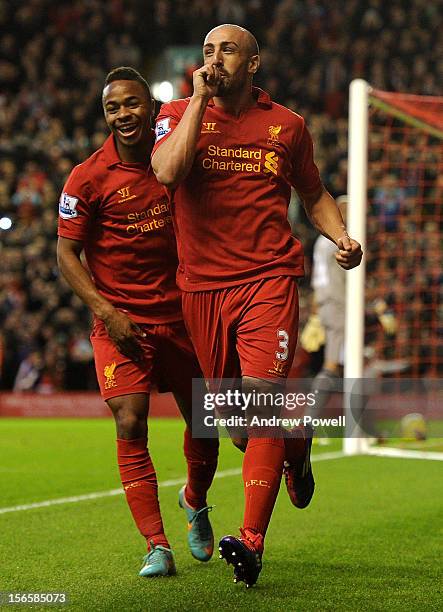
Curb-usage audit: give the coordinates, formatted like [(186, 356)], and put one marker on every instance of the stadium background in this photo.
[(53, 59)]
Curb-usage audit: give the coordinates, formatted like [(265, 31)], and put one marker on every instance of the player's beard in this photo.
[(232, 84), (229, 86), (223, 88)]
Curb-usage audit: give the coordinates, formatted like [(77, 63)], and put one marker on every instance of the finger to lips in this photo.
[(214, 75), (215, 72), (204, 73)]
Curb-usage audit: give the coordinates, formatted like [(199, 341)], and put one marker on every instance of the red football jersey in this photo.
[(230, 212), (122, 215)]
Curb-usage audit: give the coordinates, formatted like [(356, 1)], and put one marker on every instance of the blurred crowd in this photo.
[(404, 254), (53, 59)]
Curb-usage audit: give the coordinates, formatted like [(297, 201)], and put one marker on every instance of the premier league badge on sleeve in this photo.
[(162, 128), (67, 206)]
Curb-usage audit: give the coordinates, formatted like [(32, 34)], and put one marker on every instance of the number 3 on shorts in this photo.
[(283, 341)]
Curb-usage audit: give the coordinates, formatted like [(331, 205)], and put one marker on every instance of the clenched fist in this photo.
[(349, 252)]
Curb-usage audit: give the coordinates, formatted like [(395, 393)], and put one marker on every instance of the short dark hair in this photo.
[(126, 73)]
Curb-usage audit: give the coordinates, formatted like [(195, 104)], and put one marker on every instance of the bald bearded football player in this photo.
[(229, 156)]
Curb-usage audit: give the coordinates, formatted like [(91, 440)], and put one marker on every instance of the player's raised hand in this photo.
[(349, 252), (206, 81), (125, 334)]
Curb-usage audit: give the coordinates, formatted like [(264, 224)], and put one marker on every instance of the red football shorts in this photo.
[(169, 361), (246, 330)]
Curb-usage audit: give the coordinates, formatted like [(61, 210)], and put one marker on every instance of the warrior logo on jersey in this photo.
[(209, 128), (109, 375), (125, 195), (162, 128), (66, 206), (274, 131)]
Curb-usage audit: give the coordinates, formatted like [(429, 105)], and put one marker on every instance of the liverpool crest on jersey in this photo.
[(274, 135)]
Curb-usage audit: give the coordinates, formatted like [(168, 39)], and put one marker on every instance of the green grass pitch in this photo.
[(370, 539)]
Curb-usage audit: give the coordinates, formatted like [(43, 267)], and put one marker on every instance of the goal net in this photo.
[(394, 311)]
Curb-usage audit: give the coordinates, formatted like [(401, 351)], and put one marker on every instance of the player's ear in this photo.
[(254, 64), (152, 110)]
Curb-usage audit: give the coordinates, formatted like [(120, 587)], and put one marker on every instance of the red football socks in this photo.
[(201, 456), (140, 483), (262, 470)]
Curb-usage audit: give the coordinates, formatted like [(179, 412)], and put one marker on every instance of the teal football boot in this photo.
[(200, 535), (158, 562)]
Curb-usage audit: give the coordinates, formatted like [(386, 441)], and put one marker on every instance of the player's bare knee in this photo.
[(130, 418), (131, 428)]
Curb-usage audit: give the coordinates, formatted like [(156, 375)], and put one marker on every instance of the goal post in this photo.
[(395, 200), (354, 442)]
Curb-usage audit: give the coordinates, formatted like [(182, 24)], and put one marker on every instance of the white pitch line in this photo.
[(327, 456), (405, 454), (112, 492)]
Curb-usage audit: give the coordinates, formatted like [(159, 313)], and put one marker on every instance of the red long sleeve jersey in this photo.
[(122, 215), (230, 212)]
